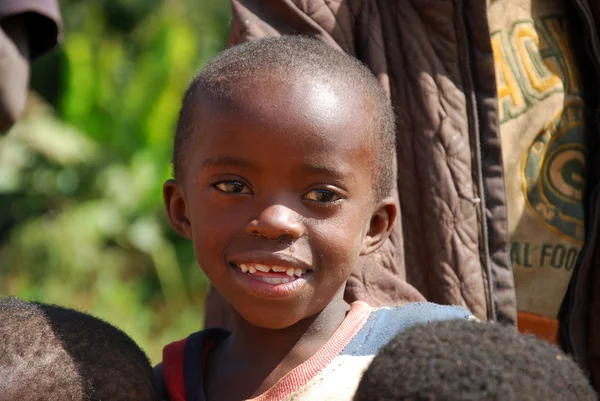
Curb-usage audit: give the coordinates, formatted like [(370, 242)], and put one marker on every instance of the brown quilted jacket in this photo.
[(434, 58)]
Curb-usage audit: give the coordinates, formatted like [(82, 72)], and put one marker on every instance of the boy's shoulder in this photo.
[(384, 323), (182, 362)]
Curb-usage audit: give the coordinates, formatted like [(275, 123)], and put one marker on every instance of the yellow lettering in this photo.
[(506, 83), (523, 35)]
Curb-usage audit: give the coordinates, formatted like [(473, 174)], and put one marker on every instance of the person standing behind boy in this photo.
[(496, 104), (283, 165), (28, 28)]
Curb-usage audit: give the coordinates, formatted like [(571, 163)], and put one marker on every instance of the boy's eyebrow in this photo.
[(313, 168), (227, 162), (335, 173)]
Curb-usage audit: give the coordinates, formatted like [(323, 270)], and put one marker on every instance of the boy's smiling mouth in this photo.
[(272, 275)]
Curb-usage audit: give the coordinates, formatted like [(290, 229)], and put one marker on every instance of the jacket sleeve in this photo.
[(41, 19), (332, 22)]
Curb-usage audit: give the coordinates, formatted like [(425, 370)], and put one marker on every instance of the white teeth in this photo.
[(254, 267), (262, 268)]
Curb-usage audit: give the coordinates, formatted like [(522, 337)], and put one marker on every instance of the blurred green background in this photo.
[(82, 222)]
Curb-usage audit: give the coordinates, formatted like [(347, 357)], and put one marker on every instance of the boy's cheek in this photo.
[(334, 245)]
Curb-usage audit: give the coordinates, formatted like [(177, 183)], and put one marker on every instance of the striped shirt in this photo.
[(332, 373)]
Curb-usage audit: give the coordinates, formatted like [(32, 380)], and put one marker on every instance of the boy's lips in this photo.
[(270, 262)]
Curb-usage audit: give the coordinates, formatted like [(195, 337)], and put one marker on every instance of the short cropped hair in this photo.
[(52, 353), (286, 58), (464, 360)]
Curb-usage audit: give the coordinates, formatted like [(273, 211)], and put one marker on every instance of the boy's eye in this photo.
[(322, 196), (233, 187)]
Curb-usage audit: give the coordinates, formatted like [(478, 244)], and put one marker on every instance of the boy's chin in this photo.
[(272, 323), (281, 315), (271, 320)]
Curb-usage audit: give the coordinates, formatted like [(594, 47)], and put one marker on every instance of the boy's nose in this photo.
[(276, 222)]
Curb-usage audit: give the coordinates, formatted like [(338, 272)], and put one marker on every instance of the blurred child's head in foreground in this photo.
[(283, 162), (464, 360), (52, 353)]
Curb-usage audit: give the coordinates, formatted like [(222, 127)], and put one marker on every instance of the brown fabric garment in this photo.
[(450, 175), (28, 28), (14, 81), (585, 320), (593, 330), (42, 22)]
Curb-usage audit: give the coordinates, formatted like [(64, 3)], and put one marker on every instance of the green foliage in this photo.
[(82, 222)]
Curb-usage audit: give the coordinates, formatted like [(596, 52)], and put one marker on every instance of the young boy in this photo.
[(460, 361), (283, 162), (52, 353)]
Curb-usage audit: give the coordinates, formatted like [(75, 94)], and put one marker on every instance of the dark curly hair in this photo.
[(464, 360), (286, 58), (52, 353)]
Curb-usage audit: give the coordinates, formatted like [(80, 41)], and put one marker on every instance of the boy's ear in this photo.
[(176, 209), (380, 226)]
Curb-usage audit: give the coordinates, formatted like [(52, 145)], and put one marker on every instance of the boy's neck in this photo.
[(248, 339), (256, 358)]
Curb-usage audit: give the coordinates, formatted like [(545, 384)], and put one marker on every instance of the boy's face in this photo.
[(279, 197)]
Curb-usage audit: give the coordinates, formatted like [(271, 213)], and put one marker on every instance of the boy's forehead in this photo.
[(301, 122), (324, 106)]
